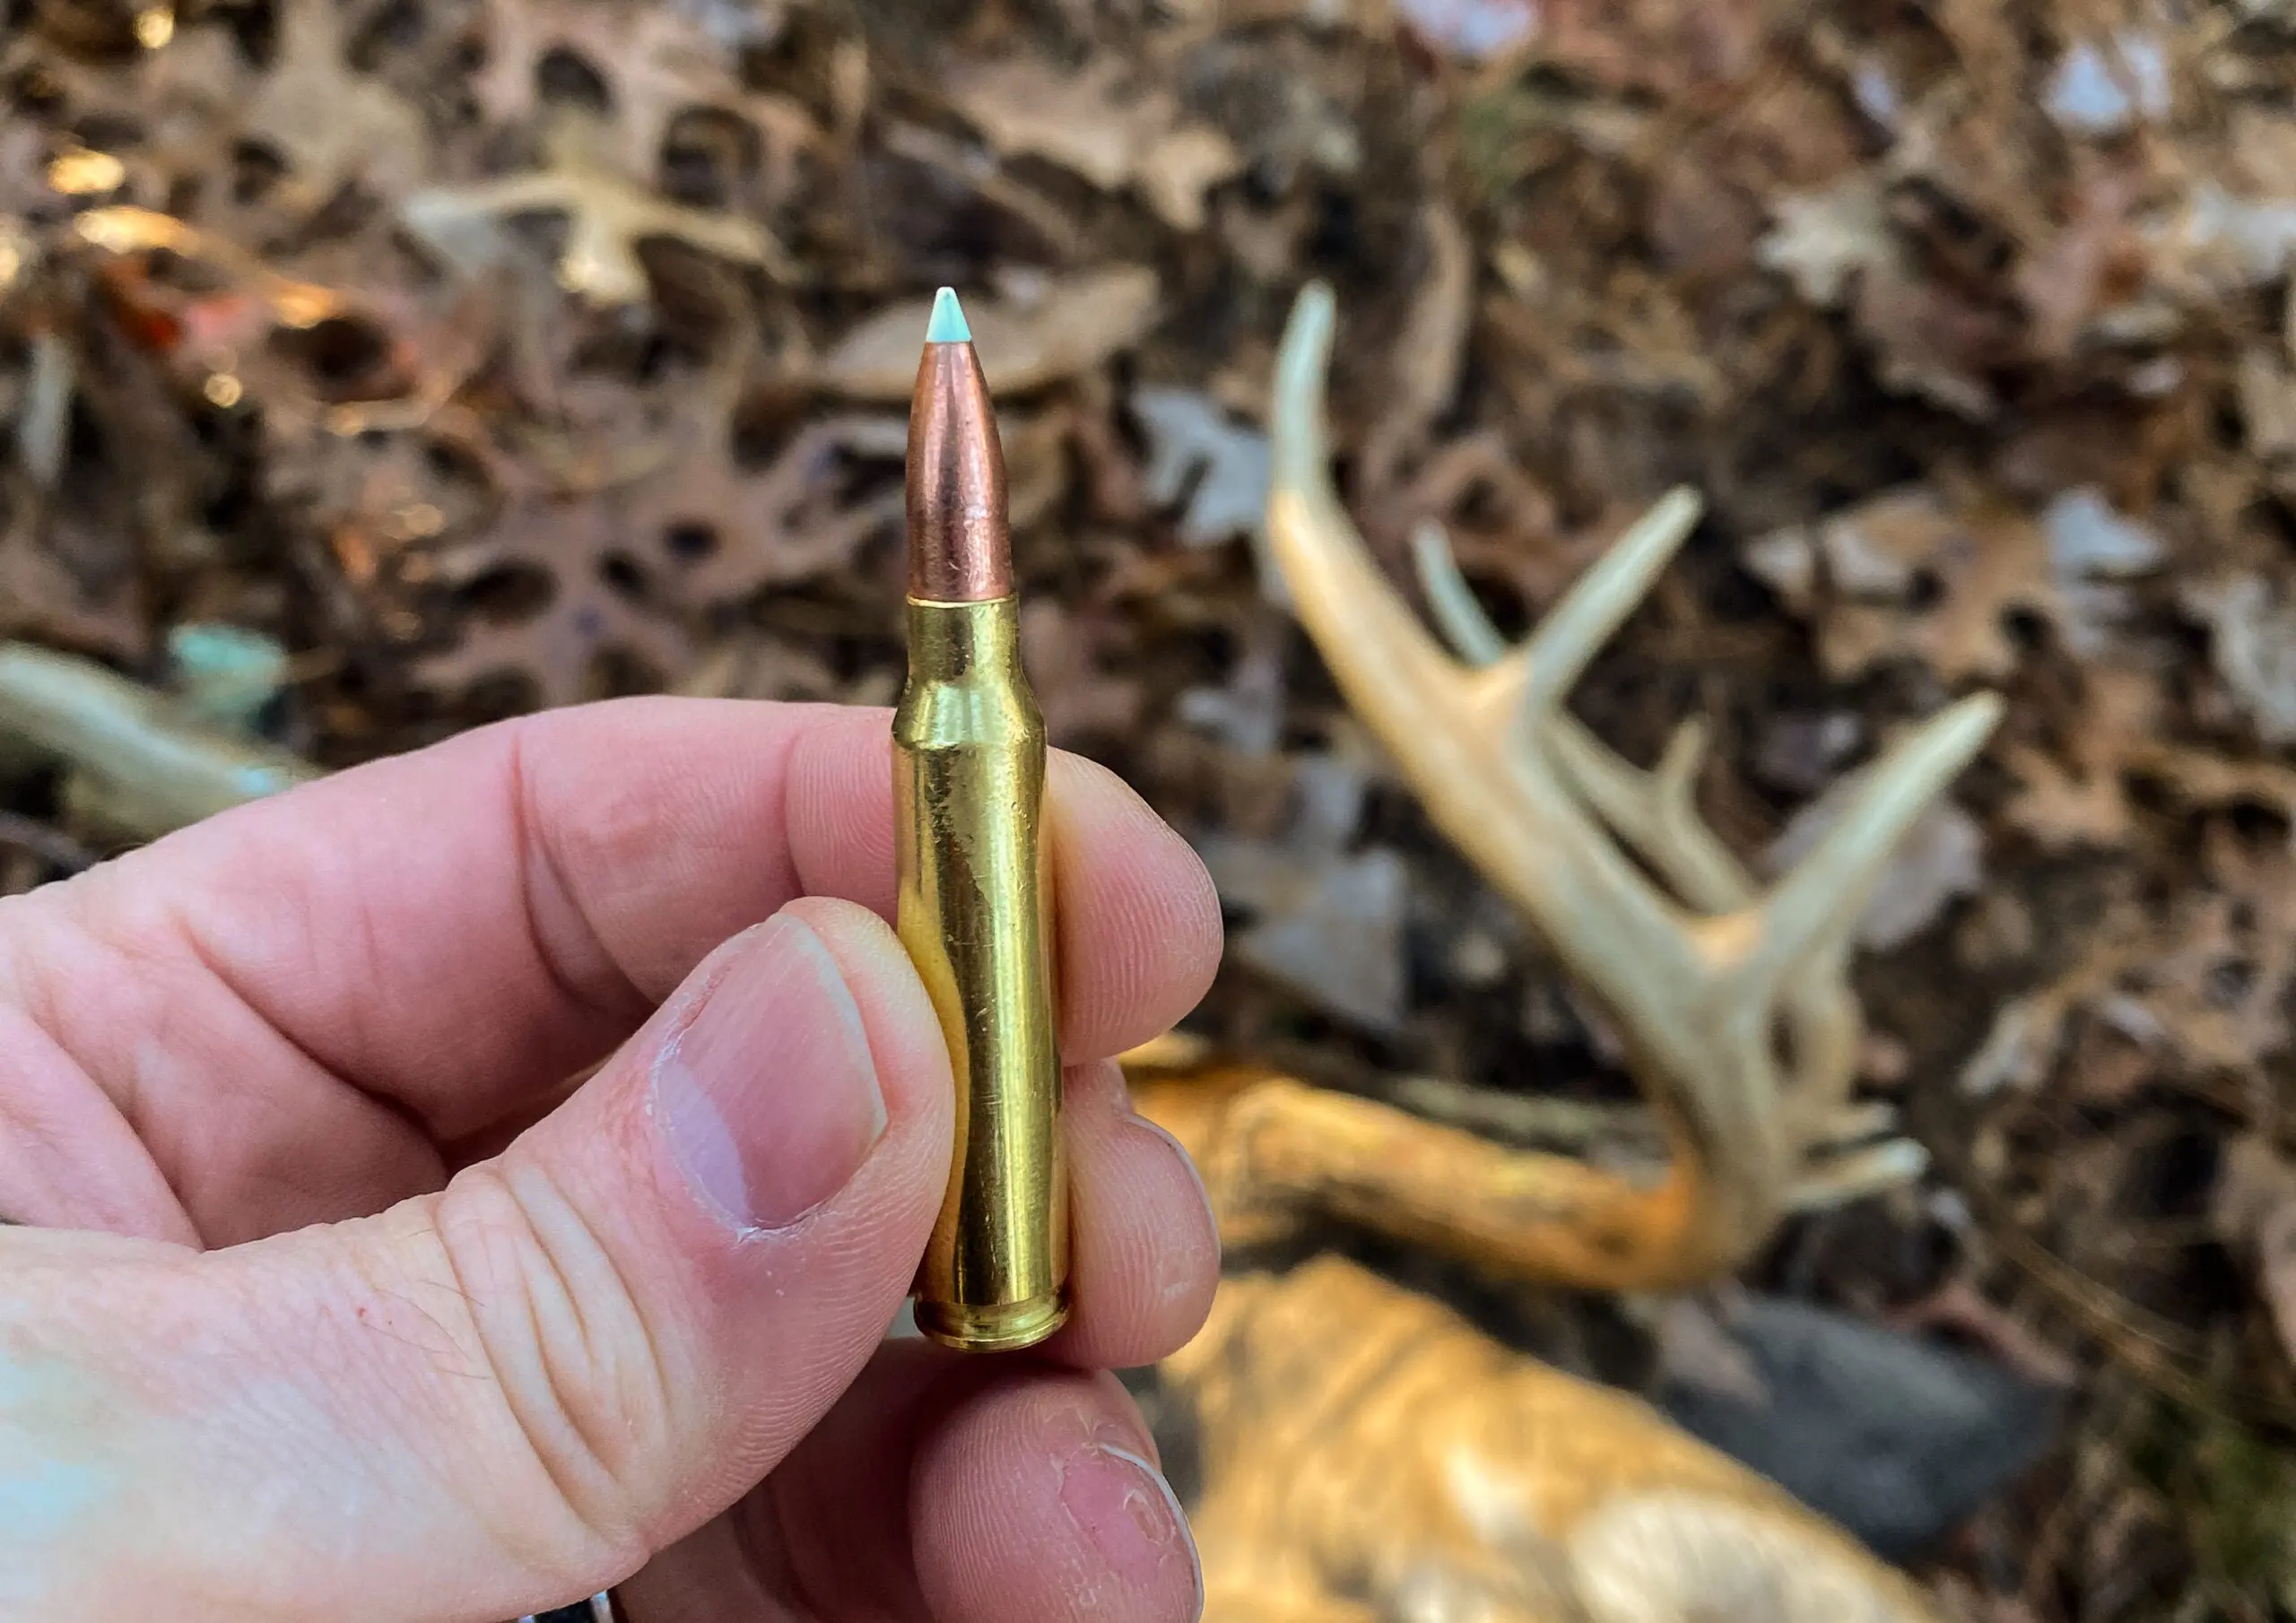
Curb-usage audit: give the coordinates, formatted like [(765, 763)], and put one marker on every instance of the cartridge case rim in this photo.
[(1004, 1327)]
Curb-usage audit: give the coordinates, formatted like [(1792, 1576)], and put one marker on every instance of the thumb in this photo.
[(505, 1395)]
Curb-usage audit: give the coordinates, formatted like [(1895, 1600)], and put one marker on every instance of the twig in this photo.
[(58, 850)]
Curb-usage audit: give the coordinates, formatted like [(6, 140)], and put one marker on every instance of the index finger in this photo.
[(457, 929)]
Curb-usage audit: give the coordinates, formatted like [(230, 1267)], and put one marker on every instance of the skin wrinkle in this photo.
[(533, 857), (806, 877), (543, 1456), (90, 906), (564, 1396), (55, 1139), (653, 1368), (123, 1091), (397, 1120)]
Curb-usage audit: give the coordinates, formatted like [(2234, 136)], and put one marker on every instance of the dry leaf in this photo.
[(2085, 800), (655, 59), (2254, 1212), (2103, 92), (720, 532), (2206, 984), (2218, 990), (1472, 31), (187, 97), (1178, 172), (2092, 546), (1082, 122), (1324, 919), (586, 617), (1910, 577), (607, 216), (1822, 240), (1073, 326), (2267, 389), (330, 124), (2252, 642), (2229, 243), (1079, 699), (1193, 449), (1906, 573)]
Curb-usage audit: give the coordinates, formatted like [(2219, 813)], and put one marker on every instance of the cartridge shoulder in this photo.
[(976, 711)]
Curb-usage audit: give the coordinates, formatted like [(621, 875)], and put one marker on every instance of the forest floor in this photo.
[(488, 354)]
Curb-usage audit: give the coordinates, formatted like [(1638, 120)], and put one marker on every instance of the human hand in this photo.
[(340, 1304)]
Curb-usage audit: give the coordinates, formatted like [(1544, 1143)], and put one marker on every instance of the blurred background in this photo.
[(374, 369)]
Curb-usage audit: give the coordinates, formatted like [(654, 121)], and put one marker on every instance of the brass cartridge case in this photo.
[(976, 913)]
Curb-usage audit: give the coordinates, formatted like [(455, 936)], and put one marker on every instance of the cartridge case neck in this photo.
[(951, 641)]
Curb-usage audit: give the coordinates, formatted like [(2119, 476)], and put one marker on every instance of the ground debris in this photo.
[(1085, 122), (1197, 452), (607, 216)]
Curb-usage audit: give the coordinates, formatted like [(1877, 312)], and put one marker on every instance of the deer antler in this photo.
[(1734, 1003)]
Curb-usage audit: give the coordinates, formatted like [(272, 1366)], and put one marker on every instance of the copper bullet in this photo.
[(960, 545)]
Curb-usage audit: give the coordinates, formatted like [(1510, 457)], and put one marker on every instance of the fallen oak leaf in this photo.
[(2085, 800), (573, 545), (721, 531), (607, 215), (1325, 920), (1917, 571), (655, 61), (2252, 644), (1194, 450), (2205, 986), (185, 96), (1081, 122), (1080, 698), (1940, 858), (1478, 32), (1822, 240), (330, 124), (1073, 327)]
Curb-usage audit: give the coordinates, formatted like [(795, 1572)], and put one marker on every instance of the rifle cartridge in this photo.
[(975, 908)]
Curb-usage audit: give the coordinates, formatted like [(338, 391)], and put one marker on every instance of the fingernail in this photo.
[(1196, 1173), (1129, 1513), (768, 1095)]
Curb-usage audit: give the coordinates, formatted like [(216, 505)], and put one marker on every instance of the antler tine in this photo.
[(1813, 907), (1599, 602), (1650, 810), (1464, 624), (1353, 607)]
